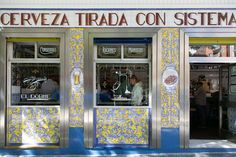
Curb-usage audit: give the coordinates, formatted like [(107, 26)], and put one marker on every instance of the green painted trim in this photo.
[(33, 39), (207, 41)]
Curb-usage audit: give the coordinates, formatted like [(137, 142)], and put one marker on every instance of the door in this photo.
[(227, 99)]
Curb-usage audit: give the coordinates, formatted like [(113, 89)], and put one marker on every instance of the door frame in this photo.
[(185, 34), (89, 120), (60, 33)]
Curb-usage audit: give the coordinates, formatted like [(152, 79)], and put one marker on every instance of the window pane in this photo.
[(136, 51), (233, 70), (234, 50), (35, 84), (23, 50), (233, 88), (210, 51), (109, 51), (122, 84), (48, 50)]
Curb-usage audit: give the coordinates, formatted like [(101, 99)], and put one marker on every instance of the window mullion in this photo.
[(35, 50)]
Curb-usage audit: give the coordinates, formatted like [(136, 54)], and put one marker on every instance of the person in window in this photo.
[(51, 87), (206, 84), (200, 101), (106, 93), (137, 91)]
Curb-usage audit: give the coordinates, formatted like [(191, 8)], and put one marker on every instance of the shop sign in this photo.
[(46, 50), (32, 83), (50, 51), (30, 97), (109, 51), (135, 51), (118, 18)]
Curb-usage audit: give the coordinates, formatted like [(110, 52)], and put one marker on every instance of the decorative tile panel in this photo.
[(122, 126), (169, 56), (33, 125), (76, 55), (14, 132)]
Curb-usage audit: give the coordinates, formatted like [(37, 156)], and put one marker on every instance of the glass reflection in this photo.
[(33, 84), (122, 84), (23, 50), (211, 51)]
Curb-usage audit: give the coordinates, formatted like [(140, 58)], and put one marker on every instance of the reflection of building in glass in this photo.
[(209, 50)]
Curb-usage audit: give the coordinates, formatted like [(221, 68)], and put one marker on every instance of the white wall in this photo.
[(117, 4)]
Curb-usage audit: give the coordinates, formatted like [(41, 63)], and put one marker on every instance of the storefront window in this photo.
[(23, 50), (122, 73), (33, 92), (34, 84), (122, 84), (34, 81), (212, 47)]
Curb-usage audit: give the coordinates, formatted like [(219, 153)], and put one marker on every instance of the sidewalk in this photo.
[(223, 154)]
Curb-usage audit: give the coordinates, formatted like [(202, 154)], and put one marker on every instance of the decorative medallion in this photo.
[(170, 78)]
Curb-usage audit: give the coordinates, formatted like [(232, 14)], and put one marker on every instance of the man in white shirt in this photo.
[(137, 91)]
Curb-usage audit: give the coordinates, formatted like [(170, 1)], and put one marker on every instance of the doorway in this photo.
[(206, 125), (215, 52), (214, 117)]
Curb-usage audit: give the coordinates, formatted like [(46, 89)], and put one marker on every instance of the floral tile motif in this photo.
[(76, 116), (33, 125), (170, 55), (14, 132), (122, 126), (76, 41), (76, 98)]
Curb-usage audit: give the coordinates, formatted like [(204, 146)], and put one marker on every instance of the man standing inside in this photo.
[(137, 91), (200, 101)]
